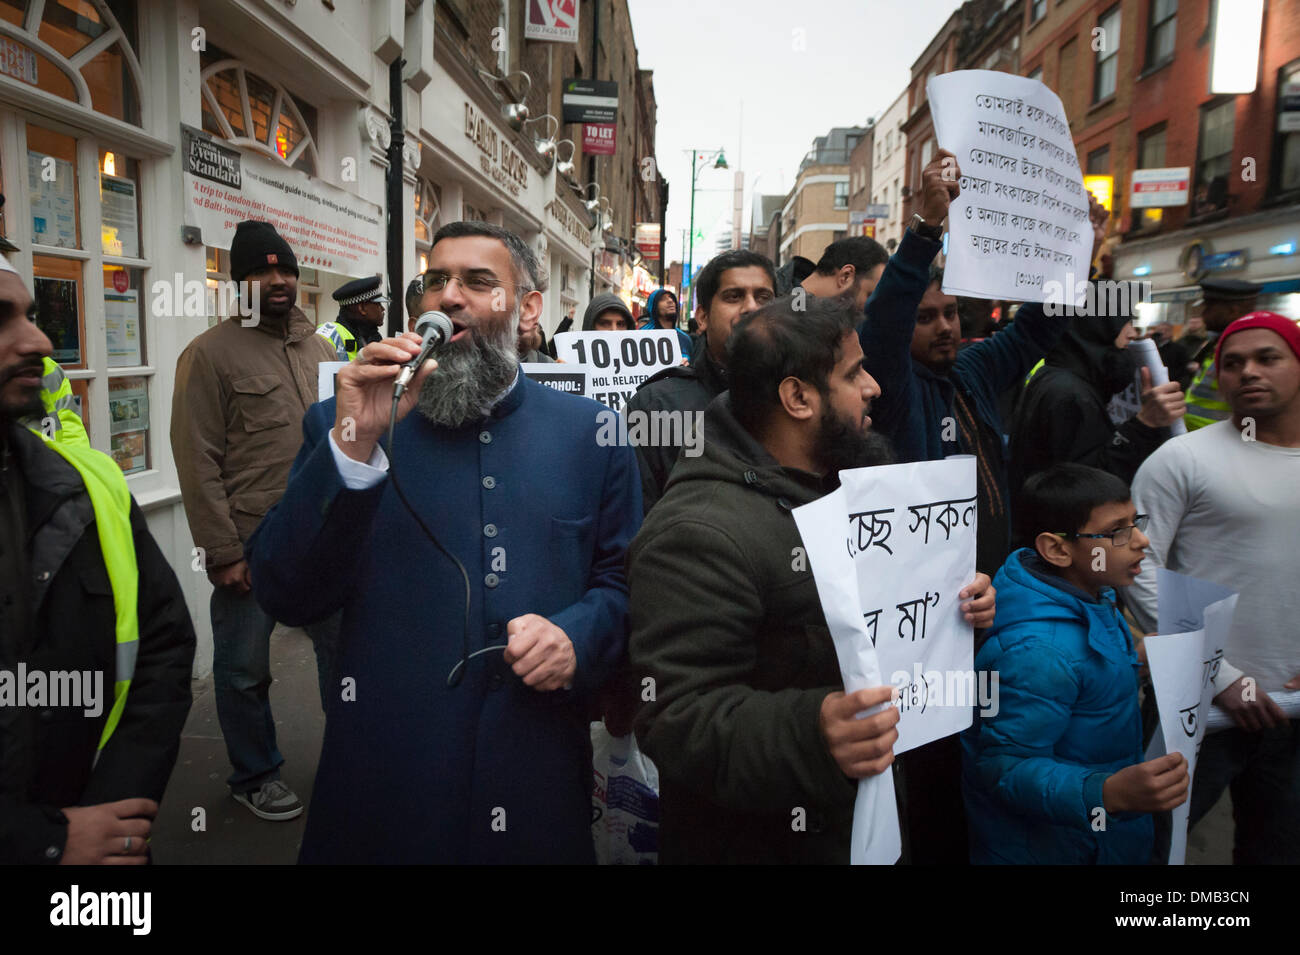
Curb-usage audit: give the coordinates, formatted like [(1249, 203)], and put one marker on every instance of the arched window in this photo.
[(248, 110), (78, 50), (428, 210)]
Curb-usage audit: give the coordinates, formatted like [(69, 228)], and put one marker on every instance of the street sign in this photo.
[(590, 101), (1154, 188)]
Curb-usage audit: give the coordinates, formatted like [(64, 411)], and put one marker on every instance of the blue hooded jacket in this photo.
[(651, 323), (1066, 718)]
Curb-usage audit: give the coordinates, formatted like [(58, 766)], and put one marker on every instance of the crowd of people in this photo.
[(484, 578)]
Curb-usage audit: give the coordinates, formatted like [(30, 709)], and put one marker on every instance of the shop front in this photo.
[(1263, 247)]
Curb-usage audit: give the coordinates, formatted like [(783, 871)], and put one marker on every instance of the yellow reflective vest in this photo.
[(64, 434)]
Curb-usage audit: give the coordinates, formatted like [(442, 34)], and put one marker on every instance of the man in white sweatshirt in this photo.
[(1224, 505)]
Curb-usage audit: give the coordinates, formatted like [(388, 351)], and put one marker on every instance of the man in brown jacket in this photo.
[(242, 389)]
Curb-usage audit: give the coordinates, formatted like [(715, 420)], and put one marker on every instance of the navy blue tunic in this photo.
[(541, 516)]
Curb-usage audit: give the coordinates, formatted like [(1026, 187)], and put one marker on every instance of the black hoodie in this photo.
[(1062, 417)]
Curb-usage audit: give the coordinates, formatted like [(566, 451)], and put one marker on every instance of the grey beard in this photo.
[(469, 377)]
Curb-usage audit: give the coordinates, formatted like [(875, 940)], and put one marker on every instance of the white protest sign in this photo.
[(620, 361), (570, 379), (1020, 229), (1183, 667), (326, 378), (1129, 401), (876, 839), (910, 532)]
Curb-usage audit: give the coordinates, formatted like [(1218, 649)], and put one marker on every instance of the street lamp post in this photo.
[(688, 281)]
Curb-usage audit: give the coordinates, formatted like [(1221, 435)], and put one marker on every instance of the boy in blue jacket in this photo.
[(1054, 775)]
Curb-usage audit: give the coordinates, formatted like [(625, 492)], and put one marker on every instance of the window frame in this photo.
[(1280, 138), (1153, 29), (1103, 57), (1227, 102)]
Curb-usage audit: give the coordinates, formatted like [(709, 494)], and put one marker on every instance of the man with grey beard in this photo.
[(484, 550)]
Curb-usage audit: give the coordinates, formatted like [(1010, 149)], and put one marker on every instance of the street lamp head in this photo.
[(722, 161)]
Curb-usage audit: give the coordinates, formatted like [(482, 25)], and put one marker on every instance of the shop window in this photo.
[(119, 205), (95, 65), (1214, 157), (52, 188), (128, 422), (1107, 69), (1287, 167), (250, 110), (60, 309)]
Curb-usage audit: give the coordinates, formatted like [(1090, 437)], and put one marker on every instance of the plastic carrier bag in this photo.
[(624, 801)]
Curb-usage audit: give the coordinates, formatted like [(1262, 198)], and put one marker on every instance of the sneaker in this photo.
[(274, 801)]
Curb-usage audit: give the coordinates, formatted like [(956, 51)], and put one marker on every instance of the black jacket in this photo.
[(685, 388), (47, 755), (725, 618), (1062, 417)]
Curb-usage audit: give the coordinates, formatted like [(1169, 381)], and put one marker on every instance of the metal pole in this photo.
[(396, 204), (688, 281)]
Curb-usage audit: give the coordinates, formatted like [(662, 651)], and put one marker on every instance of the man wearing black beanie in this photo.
[(242, 388)]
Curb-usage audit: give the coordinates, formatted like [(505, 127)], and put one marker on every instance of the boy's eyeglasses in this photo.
[(1118, 538)]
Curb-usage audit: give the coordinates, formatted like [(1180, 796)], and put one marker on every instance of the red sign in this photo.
[(598, 139), (120, 280)]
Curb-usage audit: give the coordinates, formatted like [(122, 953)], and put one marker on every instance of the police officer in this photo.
[(1223, 302), (361, 316)]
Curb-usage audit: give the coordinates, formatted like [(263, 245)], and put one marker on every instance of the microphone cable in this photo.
[(457, 674)]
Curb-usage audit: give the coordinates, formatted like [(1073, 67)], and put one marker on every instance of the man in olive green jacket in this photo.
[(758, 748), (242, 388)]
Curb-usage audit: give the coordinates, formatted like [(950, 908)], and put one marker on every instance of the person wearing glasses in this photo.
[(1055, 775), (482, 548), (362, 304)]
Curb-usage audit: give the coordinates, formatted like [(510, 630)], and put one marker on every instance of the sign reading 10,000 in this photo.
[(634, 351)]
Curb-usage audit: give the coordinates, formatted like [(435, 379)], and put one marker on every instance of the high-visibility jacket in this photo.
[(1205, 405), (341, 337), (63, 432), (61, 421)]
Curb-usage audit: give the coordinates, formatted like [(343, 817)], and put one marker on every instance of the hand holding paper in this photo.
[(1163, 403), (1154, 786), (861, 747), (1250, 708)]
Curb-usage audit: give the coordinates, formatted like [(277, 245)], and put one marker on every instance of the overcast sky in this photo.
[(716, 59)]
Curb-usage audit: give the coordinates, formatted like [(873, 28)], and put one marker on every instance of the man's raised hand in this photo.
[(939, 187), (364, 398)]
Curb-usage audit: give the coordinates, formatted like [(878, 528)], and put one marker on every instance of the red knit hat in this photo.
[(1272, 321)]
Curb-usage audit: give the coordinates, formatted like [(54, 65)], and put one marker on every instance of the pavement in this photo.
[(231, 835)]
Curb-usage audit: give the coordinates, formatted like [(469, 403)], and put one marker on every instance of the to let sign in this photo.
[(1154, 188), (598, 139)]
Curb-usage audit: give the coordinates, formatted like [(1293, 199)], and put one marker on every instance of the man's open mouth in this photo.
[(458, 329)]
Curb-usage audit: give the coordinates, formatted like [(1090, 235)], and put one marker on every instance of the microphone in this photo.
[(436, 329)]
